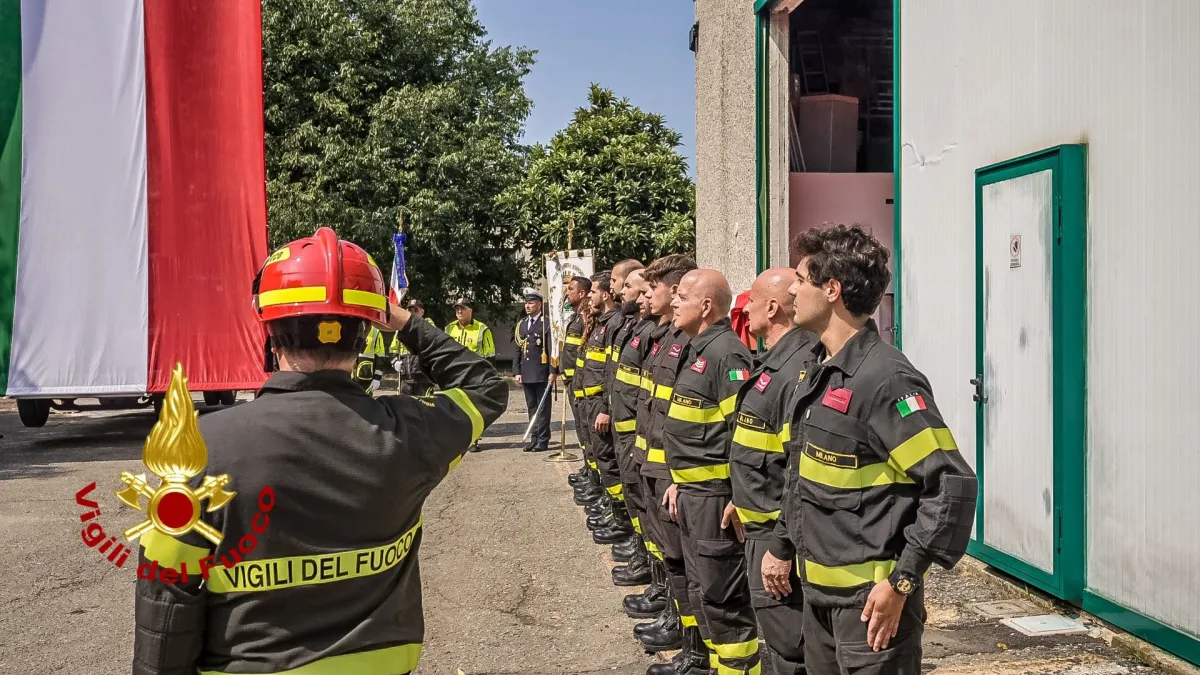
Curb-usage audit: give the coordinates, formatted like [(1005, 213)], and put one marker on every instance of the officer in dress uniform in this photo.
[(531, 367)]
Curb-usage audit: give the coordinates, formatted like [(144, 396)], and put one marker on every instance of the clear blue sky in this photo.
[(637, 48)]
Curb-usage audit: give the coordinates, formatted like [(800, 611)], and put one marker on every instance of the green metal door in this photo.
[(1030, 358)]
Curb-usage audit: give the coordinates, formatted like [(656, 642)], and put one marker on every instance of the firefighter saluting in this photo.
[(332, 582)]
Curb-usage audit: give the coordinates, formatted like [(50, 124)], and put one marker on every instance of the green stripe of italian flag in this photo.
[(910, 404)]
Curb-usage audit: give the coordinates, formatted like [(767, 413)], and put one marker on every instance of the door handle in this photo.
[(978, 396)]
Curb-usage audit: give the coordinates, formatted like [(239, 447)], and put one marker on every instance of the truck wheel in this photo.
[(228, 397), (33, 411), (212, 398)]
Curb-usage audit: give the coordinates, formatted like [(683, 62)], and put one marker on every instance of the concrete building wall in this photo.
[(984, 81), (725, 140)]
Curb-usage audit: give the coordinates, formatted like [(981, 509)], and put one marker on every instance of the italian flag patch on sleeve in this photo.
[(739, 375), (910, 404)]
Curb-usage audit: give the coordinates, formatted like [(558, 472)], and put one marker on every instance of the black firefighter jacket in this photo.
[(875, 481), (318, 559), (764, 424), (699, 424)]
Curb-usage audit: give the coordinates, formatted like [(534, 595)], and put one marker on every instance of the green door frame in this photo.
[(762, 136), (1069, 325)]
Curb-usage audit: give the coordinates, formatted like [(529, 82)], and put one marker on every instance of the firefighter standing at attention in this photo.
[(676, 627), (330, 582), (576, 295), (877, 490), (757, 461), (696, 437)]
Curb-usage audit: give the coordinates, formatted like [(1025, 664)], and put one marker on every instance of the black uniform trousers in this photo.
[(539, 437), (665, 533), (717, 584), (779, 620), (835, 641), (630, 483), (603, 452)]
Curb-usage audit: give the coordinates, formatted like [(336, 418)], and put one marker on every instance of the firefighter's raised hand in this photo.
[(399, 319)]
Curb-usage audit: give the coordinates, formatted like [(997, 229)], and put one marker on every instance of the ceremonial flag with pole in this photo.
[(399, 283)]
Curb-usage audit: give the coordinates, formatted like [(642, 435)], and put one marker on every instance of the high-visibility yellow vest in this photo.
[(375, 345), (475, 336)]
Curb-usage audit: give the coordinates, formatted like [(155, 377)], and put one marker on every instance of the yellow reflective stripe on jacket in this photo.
[(748, 516), (848, 576), (463, 401), (579, 363), (589, 391), (599, 355), (656, 455), (308, 570), (695, 415), (728, 406), (700, 474), (737, 650), (629, 378), (663, 392), (574, 340), (170, 552), (757, 440), (785, 434), (569, 372), (922, 444), (848, 478), (640, 443), (398, 659), (626, 426), (647, 383)]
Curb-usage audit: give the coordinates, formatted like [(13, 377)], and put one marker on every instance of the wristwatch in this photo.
[(903, 583)]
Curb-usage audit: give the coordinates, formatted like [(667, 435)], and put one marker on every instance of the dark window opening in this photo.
[(842, 86)]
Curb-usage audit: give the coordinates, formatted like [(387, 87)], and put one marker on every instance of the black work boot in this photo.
[(651, 602), (637, 572), (590, 496), (579, 476), (597, 522), (663, 638), (662, 669), (657, 624), (623, 551), (693, 658), (620, 529), (600, 508)]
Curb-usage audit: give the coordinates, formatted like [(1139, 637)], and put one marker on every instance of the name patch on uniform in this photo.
[(764, 381), (685, 401), (654, 349), (751, 422), (831, 458), (676, 350), (838, 399), (636, 341), (699, 365)]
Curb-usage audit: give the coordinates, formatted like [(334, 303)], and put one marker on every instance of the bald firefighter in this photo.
[(757, 463), (676, 626), (696, 437), (877, 490), (317, 567)]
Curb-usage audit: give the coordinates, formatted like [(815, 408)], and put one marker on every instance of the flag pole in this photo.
[(562, 455)]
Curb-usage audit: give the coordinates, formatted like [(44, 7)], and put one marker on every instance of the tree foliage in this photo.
[(378, 108), (617, 171)]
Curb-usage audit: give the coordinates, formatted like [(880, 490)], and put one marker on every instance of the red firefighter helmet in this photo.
[(321, 276)]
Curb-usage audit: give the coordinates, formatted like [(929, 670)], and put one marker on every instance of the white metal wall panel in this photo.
[(984, 81), (1018, 425)]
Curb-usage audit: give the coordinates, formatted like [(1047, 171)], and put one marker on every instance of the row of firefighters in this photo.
[(785, 506)]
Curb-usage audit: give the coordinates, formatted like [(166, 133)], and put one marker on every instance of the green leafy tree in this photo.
[(617, 172), (377, 109)]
